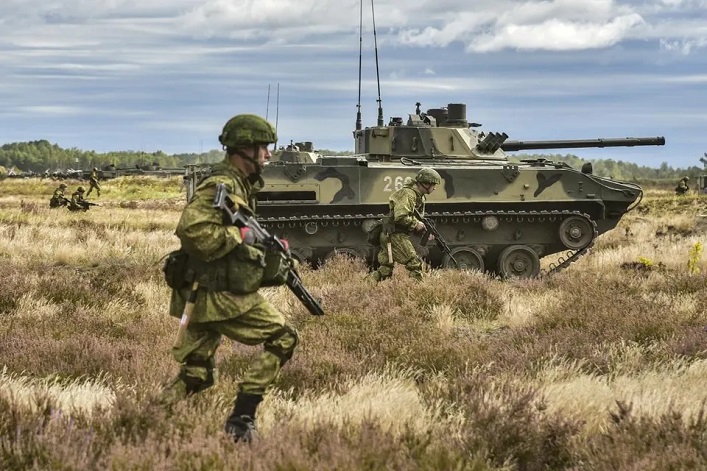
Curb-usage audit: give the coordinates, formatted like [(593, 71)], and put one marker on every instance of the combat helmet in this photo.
[(62, 186), (428, 176), (687, 179), (80, 189), (247, 130)]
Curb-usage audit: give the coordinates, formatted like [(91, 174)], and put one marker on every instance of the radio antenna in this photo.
[(378, 78), (360, 53), (277, 110), (267, 106)]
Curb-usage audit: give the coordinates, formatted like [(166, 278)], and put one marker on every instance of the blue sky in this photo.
[(166, 74)]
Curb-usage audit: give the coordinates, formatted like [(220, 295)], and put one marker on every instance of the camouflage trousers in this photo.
[(96, 185), (262, 324), (403, 253)]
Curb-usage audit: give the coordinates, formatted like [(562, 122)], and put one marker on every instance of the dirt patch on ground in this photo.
[(675, 231)]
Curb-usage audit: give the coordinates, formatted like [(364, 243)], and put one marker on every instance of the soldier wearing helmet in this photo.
[(395, 243), (682, 188), (220, 309), (58, 199), (93, 182), (77, 202)]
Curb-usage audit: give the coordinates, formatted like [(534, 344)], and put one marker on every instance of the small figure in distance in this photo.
[(93, 181), (77, 202), (223, 260), (395, 244), (58, 199), (682, 188)]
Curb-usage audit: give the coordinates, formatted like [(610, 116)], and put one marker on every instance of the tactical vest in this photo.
[(241, 271), (389, 225)]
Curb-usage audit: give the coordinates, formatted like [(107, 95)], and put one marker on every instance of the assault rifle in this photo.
[(241, 218), (430, 229)]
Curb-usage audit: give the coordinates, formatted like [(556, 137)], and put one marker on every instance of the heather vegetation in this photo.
[(600, 366)]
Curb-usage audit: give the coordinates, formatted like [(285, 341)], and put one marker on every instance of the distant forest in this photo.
[(38, 156)]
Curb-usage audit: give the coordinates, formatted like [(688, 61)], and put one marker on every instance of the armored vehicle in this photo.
[(496, 215), (300, 152)]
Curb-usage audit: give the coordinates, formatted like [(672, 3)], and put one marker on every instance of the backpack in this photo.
[(374, 233)]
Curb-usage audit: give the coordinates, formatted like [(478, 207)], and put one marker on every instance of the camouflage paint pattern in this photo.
[(485, 204)]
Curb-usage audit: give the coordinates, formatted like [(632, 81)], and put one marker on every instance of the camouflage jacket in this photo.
[(76, 200), (58, 194), (94, 176), (402, 204), (203, 234)]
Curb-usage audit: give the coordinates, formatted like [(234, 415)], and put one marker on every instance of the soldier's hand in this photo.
[(420, 226), (431, 237), (252, 251)]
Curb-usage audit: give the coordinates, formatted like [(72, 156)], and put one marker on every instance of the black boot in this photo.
[(241, 423)]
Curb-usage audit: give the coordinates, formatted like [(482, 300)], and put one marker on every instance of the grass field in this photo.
[(601, 366)]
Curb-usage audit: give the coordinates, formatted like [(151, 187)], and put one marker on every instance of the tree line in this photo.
[(39, 156)]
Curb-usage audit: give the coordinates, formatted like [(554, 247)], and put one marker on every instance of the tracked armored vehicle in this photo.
[(300, 152), (496, 215)]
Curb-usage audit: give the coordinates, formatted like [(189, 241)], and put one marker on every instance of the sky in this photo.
[(149, 75)]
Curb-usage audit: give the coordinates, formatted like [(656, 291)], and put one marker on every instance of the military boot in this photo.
[(241, 423)]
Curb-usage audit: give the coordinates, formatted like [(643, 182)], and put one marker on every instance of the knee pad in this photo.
[(282, 343), (414, 264), (385, 270), (197, 373)]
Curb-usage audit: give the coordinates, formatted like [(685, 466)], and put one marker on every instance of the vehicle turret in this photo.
[(446, 134)]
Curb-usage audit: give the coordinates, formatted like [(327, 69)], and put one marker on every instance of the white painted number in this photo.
[(393, 183)]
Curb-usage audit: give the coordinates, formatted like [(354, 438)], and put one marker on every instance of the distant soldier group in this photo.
[(76, 203)]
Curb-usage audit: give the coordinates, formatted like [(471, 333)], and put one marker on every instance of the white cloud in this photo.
[(556, 35), (96, 63), (50, 110), (684, 47)]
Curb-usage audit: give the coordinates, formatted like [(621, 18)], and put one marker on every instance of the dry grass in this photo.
[(601, 366)]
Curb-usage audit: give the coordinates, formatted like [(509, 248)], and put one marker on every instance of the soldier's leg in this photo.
[(90, 188), (98, 189), (196, 358), (262, 324), (405, 253), (385, 264)]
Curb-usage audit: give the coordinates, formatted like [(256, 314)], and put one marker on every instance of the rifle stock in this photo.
[(431, 230), (242, 218)]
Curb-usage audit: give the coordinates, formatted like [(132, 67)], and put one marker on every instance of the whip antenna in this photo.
[(378, 78), (267, 106), (360, 52), (277, 110)]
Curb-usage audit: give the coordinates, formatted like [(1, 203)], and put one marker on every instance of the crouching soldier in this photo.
[(77, 202), (395, 237), (226, 299), (58, 199), (682, 188)]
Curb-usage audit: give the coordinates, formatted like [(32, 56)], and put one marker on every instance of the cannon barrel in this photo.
[(577, 143)]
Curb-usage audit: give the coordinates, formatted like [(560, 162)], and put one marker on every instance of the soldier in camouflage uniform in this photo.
[(246, 318), (682, 187), (402, 221), (77, 202), (93, 181), (58, 199)]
